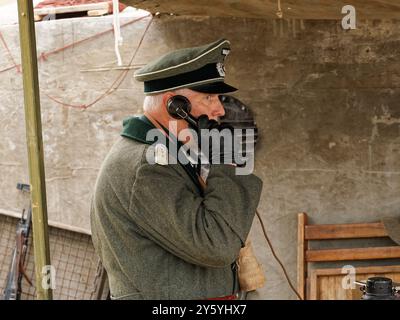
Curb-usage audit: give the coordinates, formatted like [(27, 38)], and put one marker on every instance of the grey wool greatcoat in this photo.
[(158, 235)]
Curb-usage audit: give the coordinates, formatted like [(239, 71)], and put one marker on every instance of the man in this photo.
[(159, 229)]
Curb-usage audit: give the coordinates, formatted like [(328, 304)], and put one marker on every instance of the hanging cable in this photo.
[(117, 82), (114, 86), (276, 257), (17, 66), (279, 13), (117, 31), (45, 55)]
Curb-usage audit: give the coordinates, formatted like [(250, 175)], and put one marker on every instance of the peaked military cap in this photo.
[(199, 68)]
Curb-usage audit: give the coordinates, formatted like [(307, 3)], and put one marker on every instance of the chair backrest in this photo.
[(308, 232)]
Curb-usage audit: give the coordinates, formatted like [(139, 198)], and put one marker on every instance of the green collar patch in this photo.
[(136, 128)]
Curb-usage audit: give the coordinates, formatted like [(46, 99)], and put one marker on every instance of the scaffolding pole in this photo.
[(43, 271)]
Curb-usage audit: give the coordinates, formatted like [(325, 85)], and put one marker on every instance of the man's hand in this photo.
[(217, 141)]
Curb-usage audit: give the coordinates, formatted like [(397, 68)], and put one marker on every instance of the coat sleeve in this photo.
[(208, 231)]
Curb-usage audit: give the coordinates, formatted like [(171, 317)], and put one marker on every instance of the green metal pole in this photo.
[(35, 149)]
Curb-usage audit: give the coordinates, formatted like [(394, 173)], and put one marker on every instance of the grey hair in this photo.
[(154, 101)]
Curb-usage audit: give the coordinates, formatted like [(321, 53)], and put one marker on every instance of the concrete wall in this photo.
[(326, 102)]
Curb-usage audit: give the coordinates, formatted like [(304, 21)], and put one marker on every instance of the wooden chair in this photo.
[(308, 232)]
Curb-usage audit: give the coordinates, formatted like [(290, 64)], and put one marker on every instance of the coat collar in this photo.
[(136, 128)]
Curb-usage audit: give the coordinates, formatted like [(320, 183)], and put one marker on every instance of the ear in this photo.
[(166, 97)]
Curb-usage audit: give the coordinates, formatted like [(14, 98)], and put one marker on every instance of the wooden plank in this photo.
[(345, 231), (301, 249), (97, 13), (353, 254), (330, 292), (313, 286), (340, 294), (69, 9), (33, 127), (359, 270)]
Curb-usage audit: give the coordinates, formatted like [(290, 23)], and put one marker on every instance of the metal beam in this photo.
[(35, 147), (268, 9)]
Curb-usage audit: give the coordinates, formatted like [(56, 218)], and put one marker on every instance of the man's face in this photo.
[(205, 103)]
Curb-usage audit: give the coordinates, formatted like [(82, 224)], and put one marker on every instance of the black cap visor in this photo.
[(215, 87)]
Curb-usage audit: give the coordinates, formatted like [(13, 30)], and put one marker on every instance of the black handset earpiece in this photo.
[(179, 107)]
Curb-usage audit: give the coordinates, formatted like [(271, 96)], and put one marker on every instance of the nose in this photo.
[(217, 109)]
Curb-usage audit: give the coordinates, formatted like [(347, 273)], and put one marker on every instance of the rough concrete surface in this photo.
[(326, 102)]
